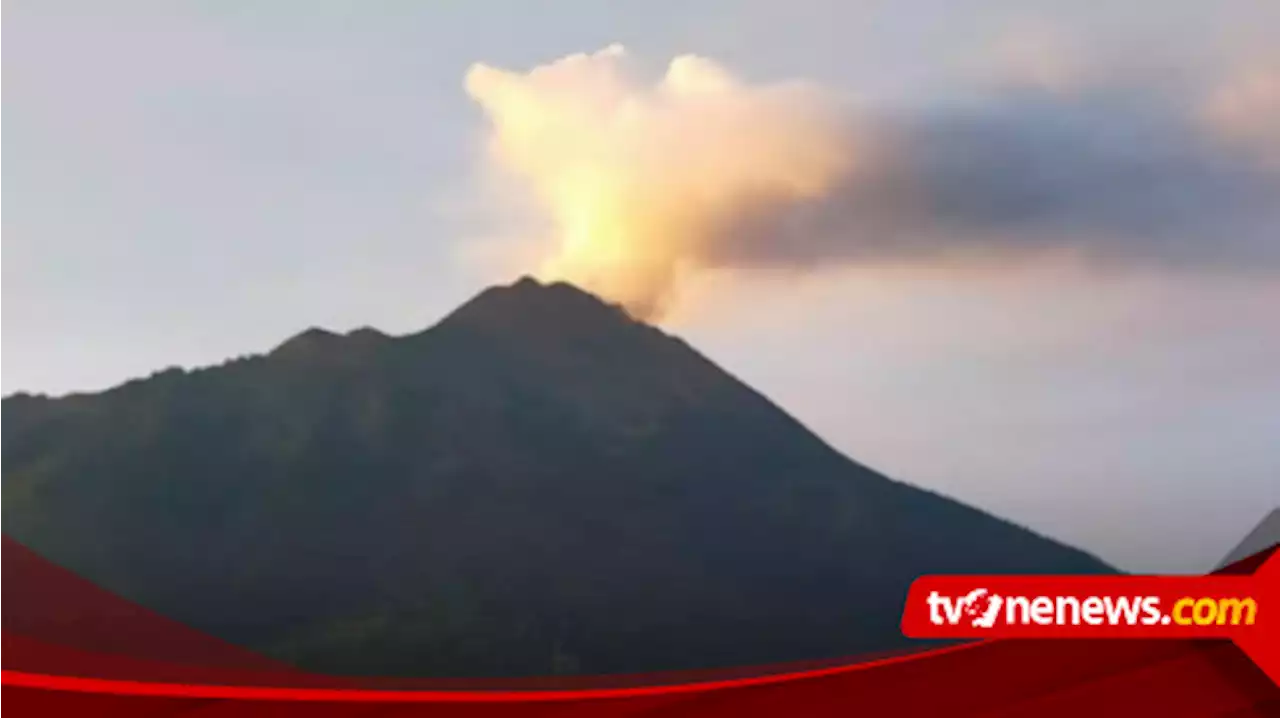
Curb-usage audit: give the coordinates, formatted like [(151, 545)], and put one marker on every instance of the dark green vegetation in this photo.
[(537, 484)]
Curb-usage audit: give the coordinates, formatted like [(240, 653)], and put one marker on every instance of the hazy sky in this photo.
[(191, 181)]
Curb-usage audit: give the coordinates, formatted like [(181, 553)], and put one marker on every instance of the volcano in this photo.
[(538, 484)]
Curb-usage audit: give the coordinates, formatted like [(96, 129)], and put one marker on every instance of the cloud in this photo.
[(1103, 175), (649, 183), (638, 179), (1037, 55), (1246, 109)]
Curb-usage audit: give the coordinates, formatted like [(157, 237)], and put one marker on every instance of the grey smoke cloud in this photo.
[(1108, 174)]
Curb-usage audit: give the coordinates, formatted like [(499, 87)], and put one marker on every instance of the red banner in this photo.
[(1245, 609), (79, 650)]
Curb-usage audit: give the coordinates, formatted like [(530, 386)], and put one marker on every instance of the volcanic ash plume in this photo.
[(647, 183), (642, 180)]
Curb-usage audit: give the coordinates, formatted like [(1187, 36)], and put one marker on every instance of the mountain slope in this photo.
[(536, 484)]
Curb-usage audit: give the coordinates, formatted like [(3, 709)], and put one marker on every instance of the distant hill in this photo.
[(1263, 536), (537, 484)]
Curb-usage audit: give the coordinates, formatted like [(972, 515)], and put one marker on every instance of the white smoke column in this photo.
[(639, 178)]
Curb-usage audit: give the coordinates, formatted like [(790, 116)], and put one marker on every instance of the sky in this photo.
[(1023, 253)]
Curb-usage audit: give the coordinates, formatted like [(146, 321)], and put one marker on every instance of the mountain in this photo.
[(537, 484), (111, 638), (1263, 536)]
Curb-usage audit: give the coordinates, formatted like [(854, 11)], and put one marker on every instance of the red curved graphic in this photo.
[(49, 667)]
